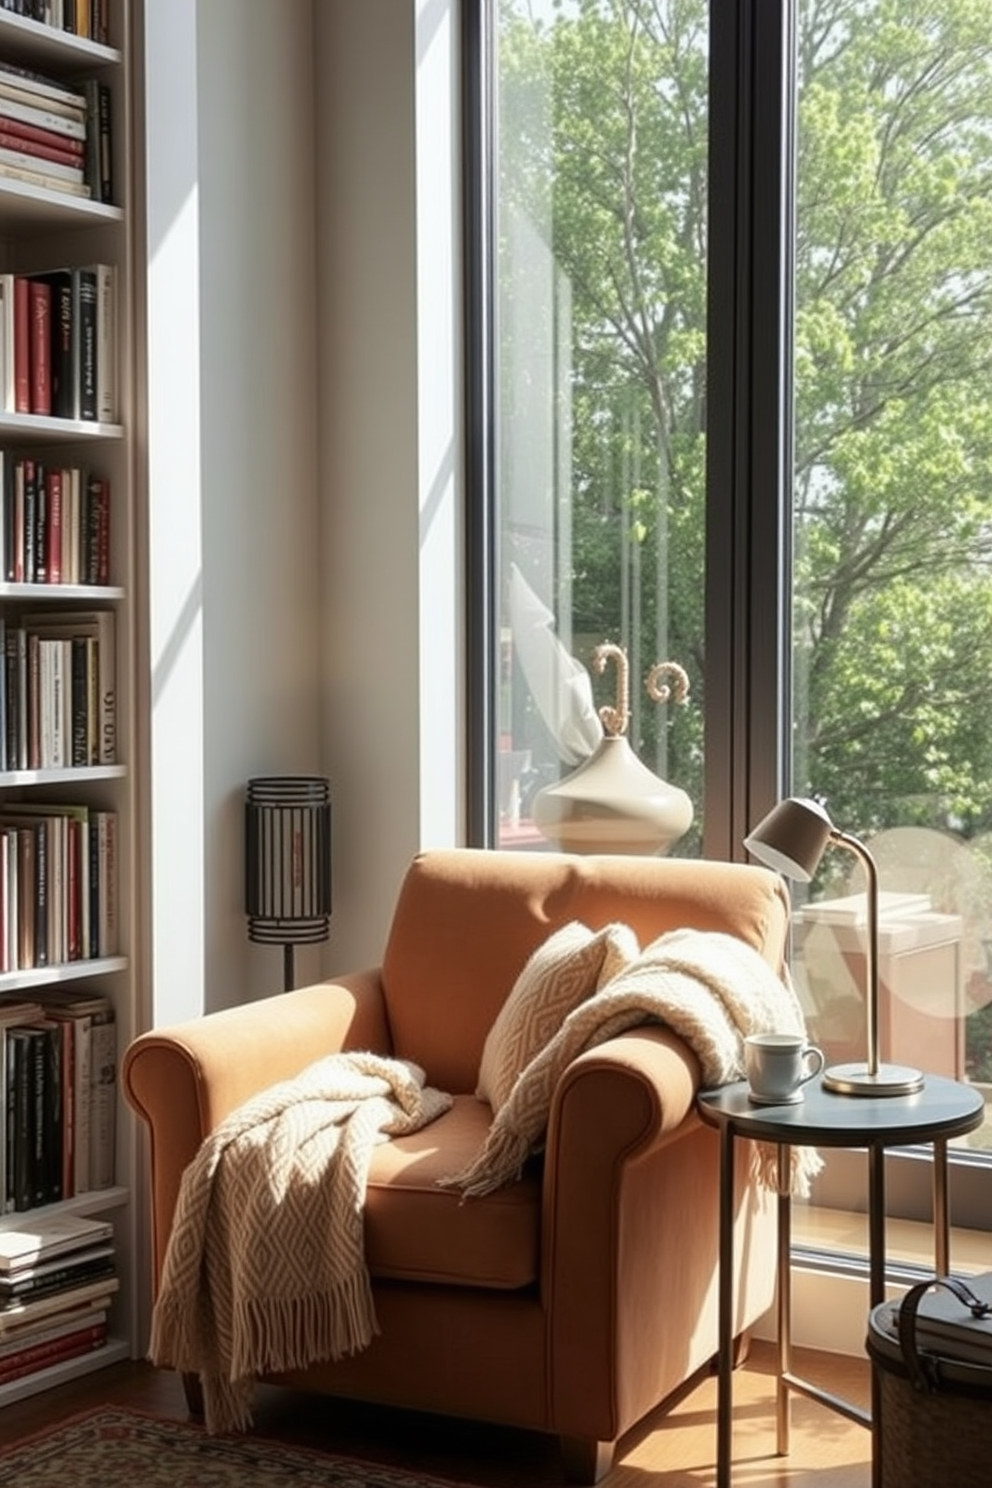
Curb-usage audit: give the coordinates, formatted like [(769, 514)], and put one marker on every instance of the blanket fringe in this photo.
[(499, 1161), (802, 1165), (274, 1334)]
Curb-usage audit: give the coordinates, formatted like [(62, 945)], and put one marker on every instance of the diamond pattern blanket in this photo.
[(265, 1266), (713, 989)]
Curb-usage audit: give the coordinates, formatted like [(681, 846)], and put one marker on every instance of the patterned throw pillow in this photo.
[(568, 967)]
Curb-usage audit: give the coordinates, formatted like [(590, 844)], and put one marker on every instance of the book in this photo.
[(84, 320), (40, 308), (40, 85), (99, 142), (41, 160), (43, 117), (49, 1236), (62, 355), (91, 1292), (22, 344), (17, 129), (20, 1146), (7, 394), (37, 177), (103, 1100), (49, 1330), (34, 1357), (106, 342), (63, 1272)]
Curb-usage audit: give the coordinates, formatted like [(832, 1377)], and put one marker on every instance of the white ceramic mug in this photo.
[(777, 1066)]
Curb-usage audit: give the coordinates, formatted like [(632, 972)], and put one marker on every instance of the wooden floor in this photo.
[(671, 1449)]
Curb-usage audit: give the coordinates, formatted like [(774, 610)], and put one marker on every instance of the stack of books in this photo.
[(53, 135), (57, 1278)]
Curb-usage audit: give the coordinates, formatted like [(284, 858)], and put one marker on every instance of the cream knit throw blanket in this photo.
[(265, 1267), (711, 988)]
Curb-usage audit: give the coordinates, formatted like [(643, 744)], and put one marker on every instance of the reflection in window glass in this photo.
[(602, 149), (892, 611)]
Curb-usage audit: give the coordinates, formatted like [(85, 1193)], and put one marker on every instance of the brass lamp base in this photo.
[(858, 1079)]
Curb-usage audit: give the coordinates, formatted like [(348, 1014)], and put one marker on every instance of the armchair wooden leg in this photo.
[(193, 1390), (584, 1459)]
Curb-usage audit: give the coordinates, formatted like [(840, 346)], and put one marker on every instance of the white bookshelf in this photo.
[(42, 229)]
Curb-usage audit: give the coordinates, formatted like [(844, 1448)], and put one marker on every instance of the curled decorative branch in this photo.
[(615, 719), (661, 692)]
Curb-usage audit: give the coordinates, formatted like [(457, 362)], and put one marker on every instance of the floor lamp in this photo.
[(288, 863), (792, 839)]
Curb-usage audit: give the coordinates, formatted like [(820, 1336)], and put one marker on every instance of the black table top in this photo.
[(943, 1108)]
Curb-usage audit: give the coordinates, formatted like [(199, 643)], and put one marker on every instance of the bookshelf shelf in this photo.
[(28, 41), (71, 242), (30, 428), (37, 207), (83, 775), (65, 971)]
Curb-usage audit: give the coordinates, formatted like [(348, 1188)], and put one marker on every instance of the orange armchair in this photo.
[(575, 1299)]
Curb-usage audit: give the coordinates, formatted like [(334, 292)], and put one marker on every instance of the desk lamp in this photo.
[(792, 839)]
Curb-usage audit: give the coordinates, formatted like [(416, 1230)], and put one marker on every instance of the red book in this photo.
[(22, 345), (40, 299), (53, 531), (40, 1355), (40, 136), (29, 147)]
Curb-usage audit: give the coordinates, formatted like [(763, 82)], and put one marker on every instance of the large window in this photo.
[(737, 292), (600, 330)]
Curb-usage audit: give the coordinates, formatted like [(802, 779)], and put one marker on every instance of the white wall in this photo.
[(390, 451), (304, 460), (234, 512)]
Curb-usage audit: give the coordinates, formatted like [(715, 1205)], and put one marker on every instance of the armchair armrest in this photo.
[(626, 1260), (183, 1080)]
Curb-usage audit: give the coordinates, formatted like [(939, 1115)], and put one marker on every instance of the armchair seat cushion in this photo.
[(416, 1231)]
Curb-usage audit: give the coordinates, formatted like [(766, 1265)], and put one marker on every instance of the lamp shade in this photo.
[(792, 838), (288, 859)]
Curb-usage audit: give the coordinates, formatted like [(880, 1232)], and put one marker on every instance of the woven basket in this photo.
[(934, 1418)]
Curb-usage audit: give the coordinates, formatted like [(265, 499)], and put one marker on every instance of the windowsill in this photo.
[(830, 1280), (906, 1241)]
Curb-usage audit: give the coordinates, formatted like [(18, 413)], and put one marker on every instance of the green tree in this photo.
[(893, 615)]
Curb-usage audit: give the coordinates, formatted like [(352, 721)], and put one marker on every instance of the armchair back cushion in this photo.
[(466, 922)]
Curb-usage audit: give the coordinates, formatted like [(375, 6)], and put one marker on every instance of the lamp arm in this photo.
[(844, 839)]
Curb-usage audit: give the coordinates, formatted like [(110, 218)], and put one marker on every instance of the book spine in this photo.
[(53, 562), (62, 124), (55, 1355), (63, 392), (84, 283), (40, 303), (106, 343), (54, 170), (22, 345), (17, 129), (19, 1074), (103, 1103), (33, 149)]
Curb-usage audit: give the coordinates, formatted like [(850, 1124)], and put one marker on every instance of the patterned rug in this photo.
[(115, 1448)]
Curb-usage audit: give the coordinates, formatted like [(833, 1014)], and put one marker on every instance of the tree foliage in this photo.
[(604, 147)]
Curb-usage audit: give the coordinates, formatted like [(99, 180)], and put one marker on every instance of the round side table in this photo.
[(941, 1110)]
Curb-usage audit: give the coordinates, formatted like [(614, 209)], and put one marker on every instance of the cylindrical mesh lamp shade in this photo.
[(288, 861)]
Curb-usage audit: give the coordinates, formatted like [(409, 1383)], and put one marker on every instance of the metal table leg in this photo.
[(783, 1283), (725, 1361)]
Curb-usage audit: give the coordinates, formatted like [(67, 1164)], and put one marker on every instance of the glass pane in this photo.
[(892, 608), (602, 144)]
